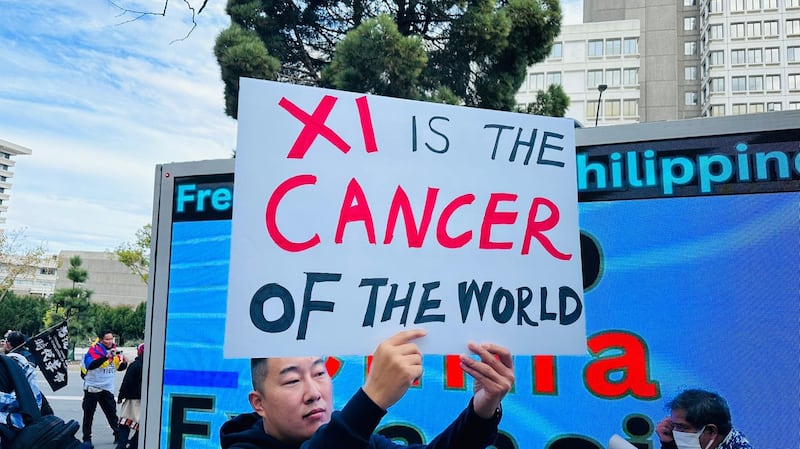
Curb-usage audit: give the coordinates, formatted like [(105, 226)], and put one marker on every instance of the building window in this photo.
[(739, 109), (47, 271), (756, 107), (613, 47), (631, 46), (770, 28), (553, 78), (690, 73), (596, 48), (792, 27), (753, 29), (717, 31), (737, 57), (715, 6), (774, 106), (689, 2), (613, 77), (737, 30), (630, 108), (630, 77), (689, 23), (717, 85), (594, 78), (755, 83), (772, 82), (793, 3), (611, 109), (770, 4), (755, 55), (591, 108), (794, 105), (689, 48), (690, 98), (717, 57), (717, 110), (555, 52), (738, 84), (772, 55), (737, 5), (753, 5), (794, 81), (536, 82), (793, 54)]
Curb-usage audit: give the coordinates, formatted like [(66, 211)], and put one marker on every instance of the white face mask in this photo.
[(687, 440)]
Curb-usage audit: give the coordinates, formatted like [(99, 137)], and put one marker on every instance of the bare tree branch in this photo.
[(139, 14)]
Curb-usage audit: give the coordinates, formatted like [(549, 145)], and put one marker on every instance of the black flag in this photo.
[(50, 350)]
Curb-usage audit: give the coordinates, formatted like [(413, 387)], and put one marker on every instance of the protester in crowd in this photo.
[(8, 401), (699, 419), (15, 342), (292, 401), (130, 395), (99, 365)]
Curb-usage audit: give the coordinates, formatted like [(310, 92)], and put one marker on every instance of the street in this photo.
[(66, 404)]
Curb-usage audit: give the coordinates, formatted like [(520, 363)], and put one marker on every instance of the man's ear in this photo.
[(712, 429), (256, 401)]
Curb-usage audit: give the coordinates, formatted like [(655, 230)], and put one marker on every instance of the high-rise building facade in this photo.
[(7, 151), (693, 58)]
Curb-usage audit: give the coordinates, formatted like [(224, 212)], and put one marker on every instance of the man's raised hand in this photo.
[(396, 364), (493, 375)]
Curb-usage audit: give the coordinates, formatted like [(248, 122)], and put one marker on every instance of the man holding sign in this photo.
[(292, 401)]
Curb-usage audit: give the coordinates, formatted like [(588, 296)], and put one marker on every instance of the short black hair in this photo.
[(258, 372), (16, 338), (703, 407), (102, 333)]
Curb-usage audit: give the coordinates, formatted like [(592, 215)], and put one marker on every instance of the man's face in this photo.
[(679, 423), (295, 398), (108, 340)]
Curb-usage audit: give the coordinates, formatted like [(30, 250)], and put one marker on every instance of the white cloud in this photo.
[(101, 102)]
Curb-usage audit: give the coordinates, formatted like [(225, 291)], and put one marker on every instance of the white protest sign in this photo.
[(358, 216)]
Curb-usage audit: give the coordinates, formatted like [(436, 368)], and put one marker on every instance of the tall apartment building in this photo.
[(586, 56), (695, 58), (7, 150)]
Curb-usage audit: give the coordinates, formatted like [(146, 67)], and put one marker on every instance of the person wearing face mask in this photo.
[(699, 419)]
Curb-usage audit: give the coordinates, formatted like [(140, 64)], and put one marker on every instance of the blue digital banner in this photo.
[(688, 292)]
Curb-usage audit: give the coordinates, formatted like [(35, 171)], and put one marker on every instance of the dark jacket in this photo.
[(131, 387), (353, 427)]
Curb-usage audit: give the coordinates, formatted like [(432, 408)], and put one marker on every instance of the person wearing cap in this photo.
[(699, 419), (130, 395)]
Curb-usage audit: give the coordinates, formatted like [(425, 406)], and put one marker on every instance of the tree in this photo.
[(553, 102), (70, 301), (23, 313), (16, 259), (136, 255), (377, 59), (477, 51)]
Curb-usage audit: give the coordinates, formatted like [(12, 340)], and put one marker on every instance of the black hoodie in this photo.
[(353, 427)]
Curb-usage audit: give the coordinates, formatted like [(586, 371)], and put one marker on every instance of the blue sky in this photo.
[(101, 100)]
